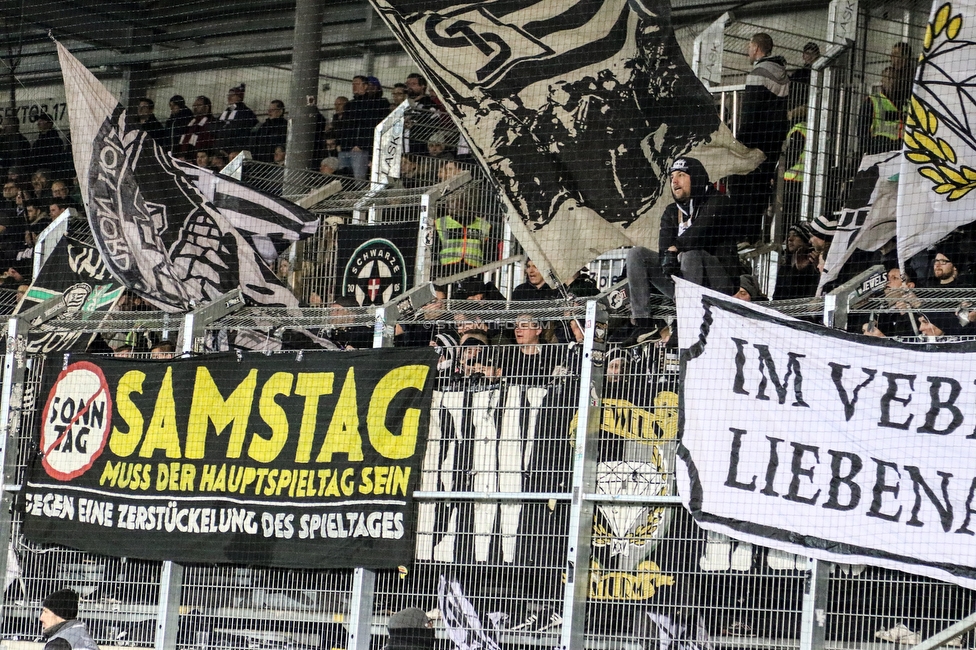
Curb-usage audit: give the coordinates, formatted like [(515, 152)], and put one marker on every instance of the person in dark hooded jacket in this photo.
[(697, 242), (59, 613), (763, 125), (410, 629)]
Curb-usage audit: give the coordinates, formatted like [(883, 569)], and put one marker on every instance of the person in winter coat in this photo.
[(59, 613), (696, 242)]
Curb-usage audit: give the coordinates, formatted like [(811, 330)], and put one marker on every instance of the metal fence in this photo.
[(547, 512)]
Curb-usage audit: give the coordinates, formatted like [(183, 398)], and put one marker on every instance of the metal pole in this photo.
[(584, 477), (11, 404), (304, 83), (814, 617), (361, 609)]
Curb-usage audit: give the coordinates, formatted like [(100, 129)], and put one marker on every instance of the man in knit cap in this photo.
[(58, 619), (410, 629)]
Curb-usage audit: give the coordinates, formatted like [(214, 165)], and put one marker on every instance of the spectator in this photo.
[(47, 152), (800, 79), (798, 277), (60, 190), (534, 287), (41, 183), (56, 207), (903, 74), (15, 149), (416, 86), (179, 118), (398, 95), (203, 158), (9, 201), (903, 320), (696, 241), (879, 124), (355, 132), (165, 349), (950, 271), (273, 132), (236, 122), (437, 147), (148, 122), (762, 125), (338, 112), (475, 361), (332, 167), (748, 290), (530, 363), (59, 613), (218, 160), (199, 132), (124, 351), (11, 233), (279, 155), (331, 149), (410, 629)]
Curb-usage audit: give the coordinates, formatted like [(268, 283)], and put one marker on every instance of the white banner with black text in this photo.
[(827, 444)]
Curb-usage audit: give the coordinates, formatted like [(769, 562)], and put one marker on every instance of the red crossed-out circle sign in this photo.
[(77, 421)]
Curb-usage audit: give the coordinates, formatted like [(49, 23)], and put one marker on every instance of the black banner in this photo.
[(376, 262), (305, 461)]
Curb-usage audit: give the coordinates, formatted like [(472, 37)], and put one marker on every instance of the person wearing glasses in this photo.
[(950, 270)]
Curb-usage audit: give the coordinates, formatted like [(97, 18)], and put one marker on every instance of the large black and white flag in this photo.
[(826, 444), (155, 231), (576, 108), (268, 223)]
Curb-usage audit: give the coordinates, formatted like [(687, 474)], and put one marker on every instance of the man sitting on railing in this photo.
[(696, 243)]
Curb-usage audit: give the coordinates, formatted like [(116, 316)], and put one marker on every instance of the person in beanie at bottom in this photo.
[(410, 629), (59, 613)]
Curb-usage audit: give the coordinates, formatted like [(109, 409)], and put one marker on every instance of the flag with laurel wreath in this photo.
[(938, 172)]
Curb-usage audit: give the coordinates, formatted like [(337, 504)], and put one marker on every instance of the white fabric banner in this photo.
[(827, 444), (938, 171)]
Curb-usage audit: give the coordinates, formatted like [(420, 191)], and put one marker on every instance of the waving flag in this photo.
[(269, 223), (155, 231), (938, 172), (576, 108)]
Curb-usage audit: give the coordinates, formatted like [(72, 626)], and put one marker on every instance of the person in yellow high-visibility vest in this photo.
[(794, 158), (462, 242), (881, 121)]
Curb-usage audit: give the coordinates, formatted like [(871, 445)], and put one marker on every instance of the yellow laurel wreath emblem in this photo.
[(936, 157)]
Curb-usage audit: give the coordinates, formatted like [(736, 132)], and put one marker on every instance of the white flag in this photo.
[(938, 171)]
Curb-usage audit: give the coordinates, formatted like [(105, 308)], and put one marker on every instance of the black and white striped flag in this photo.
[(269, 224)]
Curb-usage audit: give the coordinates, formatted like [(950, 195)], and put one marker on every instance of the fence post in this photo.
[(589, 402), (814, 616), (361, 609)]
